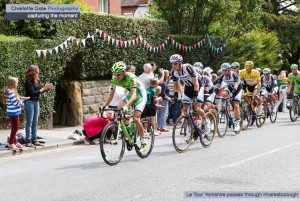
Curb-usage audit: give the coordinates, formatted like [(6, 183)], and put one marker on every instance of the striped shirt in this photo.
[(13, 107)]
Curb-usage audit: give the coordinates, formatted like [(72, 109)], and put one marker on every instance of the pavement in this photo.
[(55, 138)]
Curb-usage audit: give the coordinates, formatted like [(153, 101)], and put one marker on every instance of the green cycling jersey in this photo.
[(295, 80), (130, 81)]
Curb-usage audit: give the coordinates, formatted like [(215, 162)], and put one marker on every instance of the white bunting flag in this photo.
[(61, 46), (38, 52), (77, 41), (88, 36), (93, 38), (125, 43), (50, 51), (56, 49), (83, 42), (66, 44), (44, 53), (108, 38), (100, 32), (112, 41)]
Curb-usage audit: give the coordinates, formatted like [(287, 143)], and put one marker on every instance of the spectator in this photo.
[(162, 113), (147, 75), (13, 101), (130, 69), (155, 73), (33, 89), (174, 111), (152, 99), (282, 85)]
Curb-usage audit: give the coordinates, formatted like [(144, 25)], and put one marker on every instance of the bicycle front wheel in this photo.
[(222, 123), (141, 151), (182, 134), (261, 119), (112, 144), (247, 117), (207, 138), (273, 114), (294, 109)]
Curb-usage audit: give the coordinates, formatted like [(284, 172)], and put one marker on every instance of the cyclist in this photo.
[(269, 82), (294, 79), (136, 95), (234, 87), (208, 89), (188, 74), (235, 67), (251, 78), (198, 66)]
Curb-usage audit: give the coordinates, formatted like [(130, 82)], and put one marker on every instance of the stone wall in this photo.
[(93, 94)]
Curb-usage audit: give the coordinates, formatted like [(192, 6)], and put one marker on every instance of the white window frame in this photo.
[(103, 6)]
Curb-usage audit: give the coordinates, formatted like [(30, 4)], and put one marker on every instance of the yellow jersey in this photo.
[(250, 78)]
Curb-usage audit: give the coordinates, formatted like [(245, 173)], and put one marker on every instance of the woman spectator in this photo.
[(33, 89), (162, 113)]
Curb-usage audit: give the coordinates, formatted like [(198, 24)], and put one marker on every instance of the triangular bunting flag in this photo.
[(108, 38), (166, 41), (176, 45), (190, 48), (77, 41), (117, 42), (186, 48), (121, 43), (93, 38), (141, 39), (137, 40), (88, 36), (104, 35), (66, 44), (83, 42), (72, 38), (125, 43), (198, 44), (179, 46), (150, 48), (194, 45), (38, 53), (97, 30), (113, 41), (44, 53), (163, 45), (145, 43), (173, 41), (61, 46), (160, 47), (100, 32), (56, 49), (183, 47), (129, 43), (133, 42), (50, 51)]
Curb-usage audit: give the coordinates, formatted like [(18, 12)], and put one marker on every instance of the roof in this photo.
[(130, 3)]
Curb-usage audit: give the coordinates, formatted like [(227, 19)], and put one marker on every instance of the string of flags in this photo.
[(135, 41)]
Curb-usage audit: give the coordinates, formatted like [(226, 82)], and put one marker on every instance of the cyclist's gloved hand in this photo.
[(125, 109), (216, 90)]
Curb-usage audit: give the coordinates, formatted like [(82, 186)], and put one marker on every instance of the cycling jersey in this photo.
[(186, 74), (205, 81), (230, 80), (269, 83), (295, 79), (130, 81), (250, 78)]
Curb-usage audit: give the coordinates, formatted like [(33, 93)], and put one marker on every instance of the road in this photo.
[(259, 159)]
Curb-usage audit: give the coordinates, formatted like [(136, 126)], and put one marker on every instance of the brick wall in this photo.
[(114, 7), (143, 1)]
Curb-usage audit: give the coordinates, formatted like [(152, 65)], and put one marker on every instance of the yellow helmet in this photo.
[(249, 64)]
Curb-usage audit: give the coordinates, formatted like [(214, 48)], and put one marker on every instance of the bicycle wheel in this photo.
[(207, 138), (294, 111), (273, 114), (112, 144), (182, 134), (247, 117), (261, 119), (144, 152), (222, 123)]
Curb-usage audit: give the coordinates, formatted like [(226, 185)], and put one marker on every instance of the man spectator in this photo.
[(147, 75)]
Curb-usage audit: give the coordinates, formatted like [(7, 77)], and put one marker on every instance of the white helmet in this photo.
[(176, 58), (225, 66), (198, 65), (266, 71)]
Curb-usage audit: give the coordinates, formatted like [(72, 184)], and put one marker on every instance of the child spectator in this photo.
[(152, 99), (13, 101)]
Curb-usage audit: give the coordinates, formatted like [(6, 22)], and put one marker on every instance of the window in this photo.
[(103, 6), (128, 14)]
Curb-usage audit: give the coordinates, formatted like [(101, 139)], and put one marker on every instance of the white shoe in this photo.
[(207, 128), (237, 126), (143, 140)]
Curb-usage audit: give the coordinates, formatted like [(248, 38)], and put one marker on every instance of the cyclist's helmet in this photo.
[(237, 64), (119, 67), (294, 66), (176, 58), (225, 66), (198, 65), (266, 71), (249, 64)]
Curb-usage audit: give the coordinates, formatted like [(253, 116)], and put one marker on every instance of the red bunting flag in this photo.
[(121, 43), (137, 40), (104, 35), (160, 47), (195, 45), (183, 47)]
